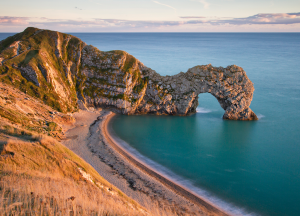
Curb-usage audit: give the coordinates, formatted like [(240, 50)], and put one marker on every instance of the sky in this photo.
[(151, 15)]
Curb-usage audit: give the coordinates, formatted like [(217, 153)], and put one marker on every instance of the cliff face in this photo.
[(66, 73), (38, 63), (112, 79)]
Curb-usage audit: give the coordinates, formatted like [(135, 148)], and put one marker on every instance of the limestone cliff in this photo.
[(66, 73)]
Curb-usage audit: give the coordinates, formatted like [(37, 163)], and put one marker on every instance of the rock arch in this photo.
[(178, 94)]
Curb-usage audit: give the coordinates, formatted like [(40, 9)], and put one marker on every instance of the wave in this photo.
[(203, 110), (228, 207), (260, 116)]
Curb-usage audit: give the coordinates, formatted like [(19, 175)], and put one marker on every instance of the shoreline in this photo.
[(176, 187), (89, 138)]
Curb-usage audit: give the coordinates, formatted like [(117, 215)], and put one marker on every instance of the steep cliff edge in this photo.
[(66, 73)]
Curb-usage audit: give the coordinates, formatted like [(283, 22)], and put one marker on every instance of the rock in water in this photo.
[(178, 94), (66, 73)]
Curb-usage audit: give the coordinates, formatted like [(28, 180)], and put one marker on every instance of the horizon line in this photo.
[(165, 32)]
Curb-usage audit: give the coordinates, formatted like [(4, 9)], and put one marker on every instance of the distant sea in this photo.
[(247, 168)]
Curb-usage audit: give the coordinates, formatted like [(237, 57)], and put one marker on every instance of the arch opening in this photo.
[(207, 103)]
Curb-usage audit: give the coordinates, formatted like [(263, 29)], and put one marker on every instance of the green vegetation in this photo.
[(8, 53), (142, 83), (35, 168), (42, 49), (39, 176), (130, 61), (39, 51), (72, 49), (52, 126), (119, 96), (14, 77), (8, 41), (31, 54), (80, 80)]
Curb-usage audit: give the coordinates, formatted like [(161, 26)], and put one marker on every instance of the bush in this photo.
[(52, 126)]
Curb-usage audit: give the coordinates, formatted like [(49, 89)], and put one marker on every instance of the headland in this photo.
[(68, 74), (48, 78)]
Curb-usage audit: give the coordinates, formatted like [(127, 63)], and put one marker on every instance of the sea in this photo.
[(244, 167)]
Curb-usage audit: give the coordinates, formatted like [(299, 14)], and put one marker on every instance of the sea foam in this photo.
[(203, 110), (260, 116)]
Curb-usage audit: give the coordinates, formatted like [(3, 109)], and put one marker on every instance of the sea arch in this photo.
[(178, 94), (209, 104)]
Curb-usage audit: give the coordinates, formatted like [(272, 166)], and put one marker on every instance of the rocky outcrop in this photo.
[(1, 60), (75, 74), (30, 74), (178, 94), (112, 79), (140, 90)]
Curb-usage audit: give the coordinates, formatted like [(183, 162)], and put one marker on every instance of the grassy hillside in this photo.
[(38, 175), (19, 110), (34, 62), (60, 69)]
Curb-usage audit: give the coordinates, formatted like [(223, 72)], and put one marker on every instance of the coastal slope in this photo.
[(68, 74), (39, 174)]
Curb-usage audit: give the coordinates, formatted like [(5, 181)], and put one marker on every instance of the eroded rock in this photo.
[(74, 74), (30, 74), (178, 94)]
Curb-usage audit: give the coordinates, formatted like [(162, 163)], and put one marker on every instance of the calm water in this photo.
[(251, 166)]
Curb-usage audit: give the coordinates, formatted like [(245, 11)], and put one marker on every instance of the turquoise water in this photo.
[(251, 166)]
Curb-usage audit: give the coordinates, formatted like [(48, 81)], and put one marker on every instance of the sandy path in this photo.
[(89, 139)]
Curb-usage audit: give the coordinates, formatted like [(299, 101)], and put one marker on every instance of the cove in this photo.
[(251, 165), (229, 160)]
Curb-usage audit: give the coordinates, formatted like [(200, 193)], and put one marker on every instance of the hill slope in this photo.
[(66, 74), (38, 175)]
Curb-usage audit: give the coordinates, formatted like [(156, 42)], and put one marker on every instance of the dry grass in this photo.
[(29, 113), (38, 175), (45, 196), (42, 177)]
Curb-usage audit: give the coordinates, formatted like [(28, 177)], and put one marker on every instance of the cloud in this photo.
[(165, 5), (258, 19), (192, 17), (6, 20), (204, 2), (268, 18), (106, 23), (188, 22)]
